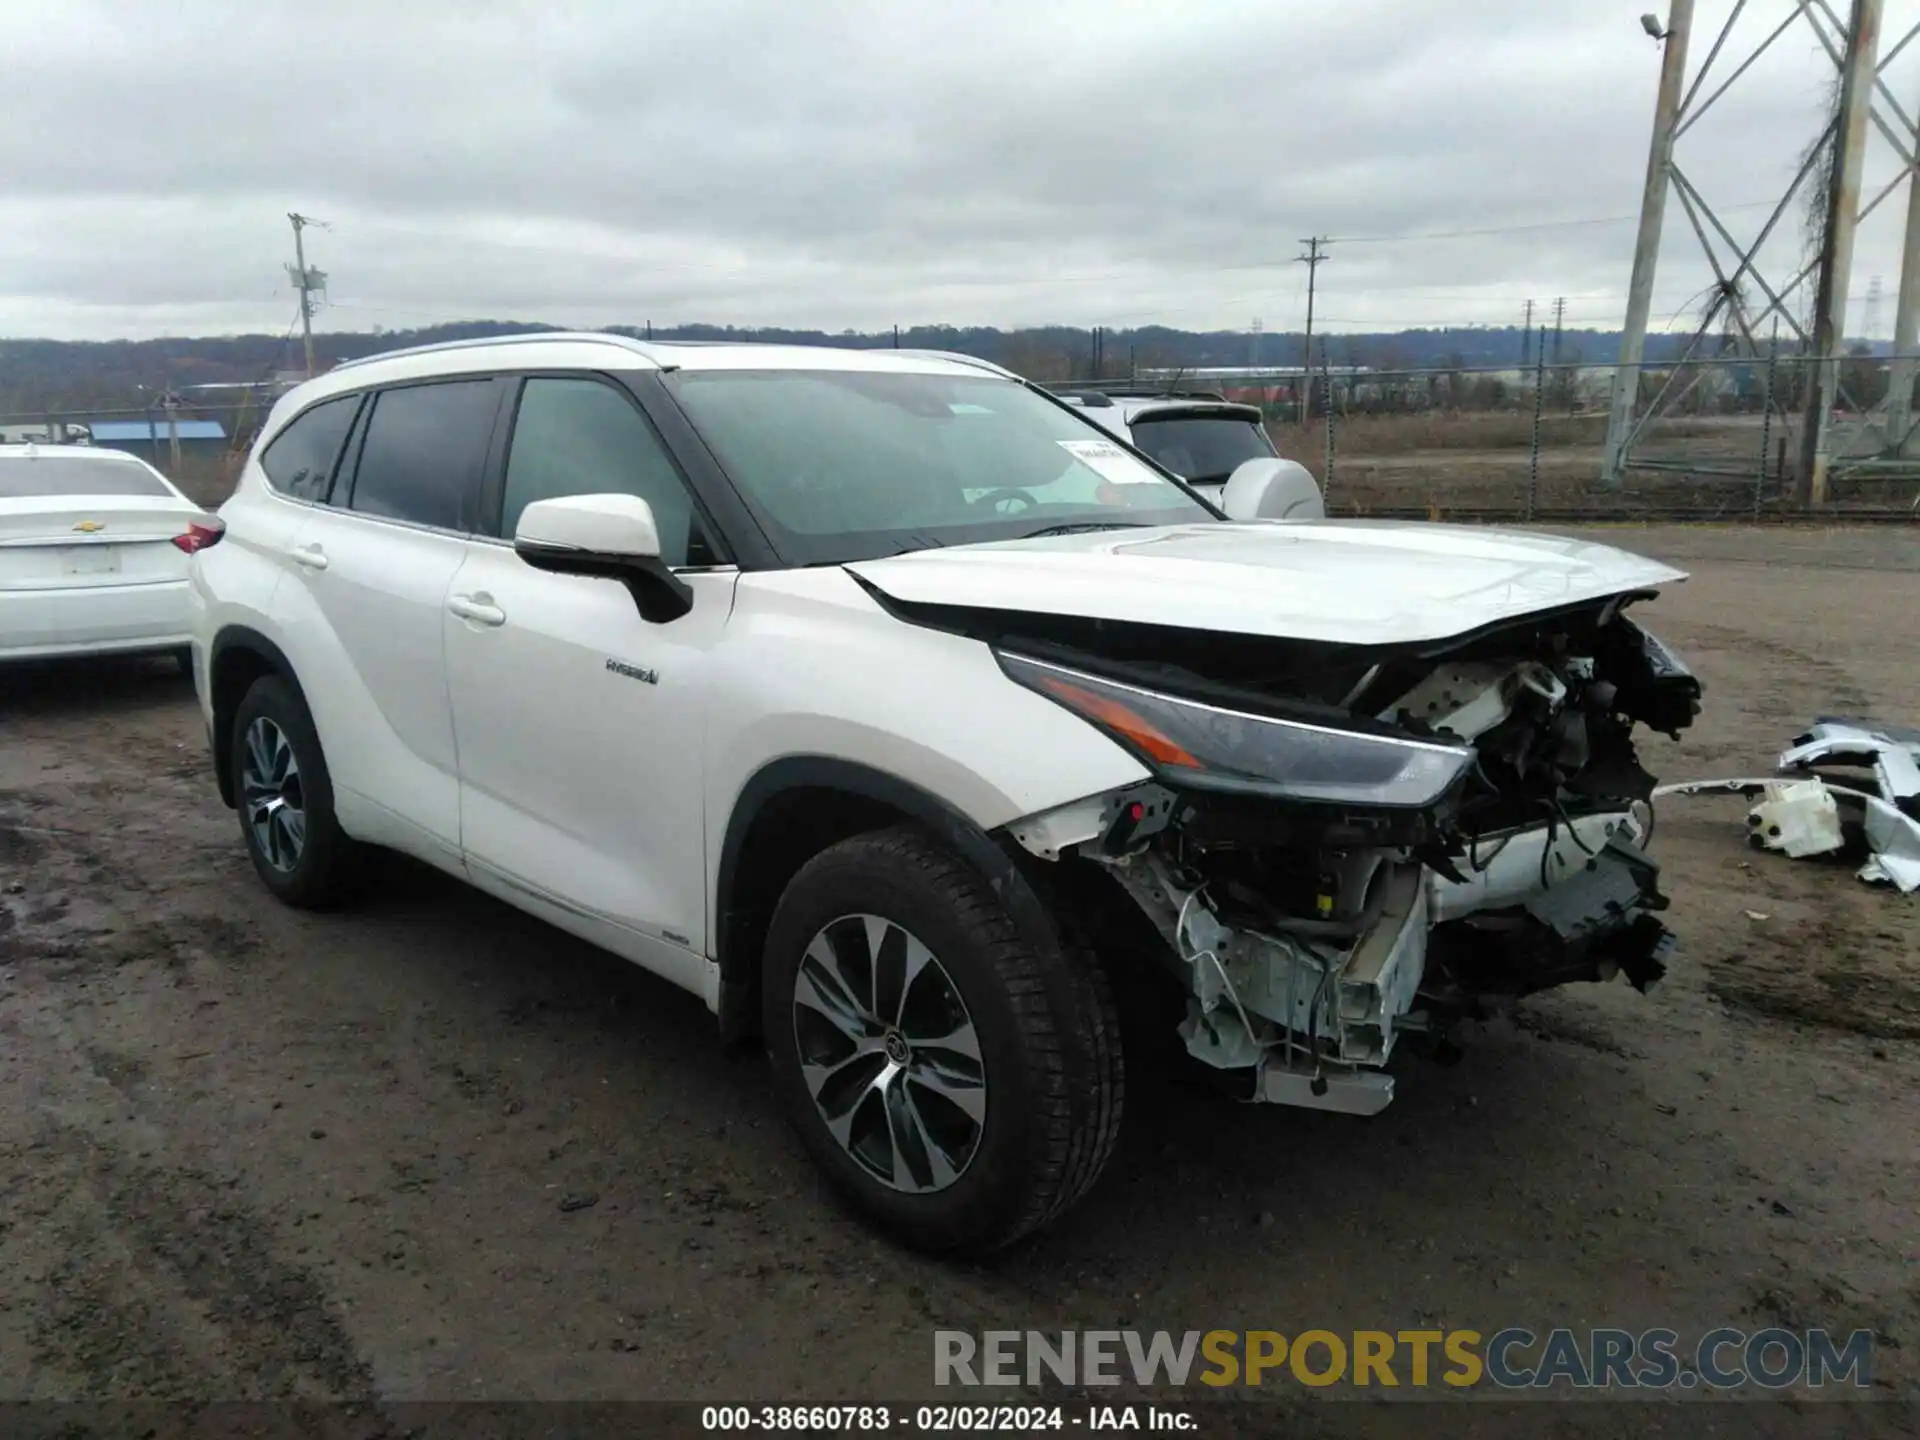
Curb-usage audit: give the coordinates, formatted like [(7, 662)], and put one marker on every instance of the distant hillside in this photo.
[(39, 377)]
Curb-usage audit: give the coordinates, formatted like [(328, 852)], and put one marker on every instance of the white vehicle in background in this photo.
[(1199, 435), (94, 546), (913, 723)]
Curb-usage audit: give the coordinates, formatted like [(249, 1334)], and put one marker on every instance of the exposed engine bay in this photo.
[(1345, 845)]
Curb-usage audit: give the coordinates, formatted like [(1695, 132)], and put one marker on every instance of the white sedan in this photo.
[(94, 546)]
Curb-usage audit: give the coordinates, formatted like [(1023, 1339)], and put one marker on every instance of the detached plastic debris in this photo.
[(1892, 821), (1808, 814), (1797, 818), (1895, 841), (1891, 752)]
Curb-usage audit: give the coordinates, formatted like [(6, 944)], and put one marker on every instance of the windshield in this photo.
[(848, 465), (1204, 448)]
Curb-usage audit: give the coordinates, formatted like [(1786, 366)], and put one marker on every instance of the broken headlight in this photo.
[(1206, 746)]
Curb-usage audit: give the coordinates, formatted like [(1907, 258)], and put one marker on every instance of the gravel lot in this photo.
[(433, 1149)]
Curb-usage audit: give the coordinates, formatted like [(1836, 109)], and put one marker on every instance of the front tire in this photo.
[(285, 798), (958, 1080)]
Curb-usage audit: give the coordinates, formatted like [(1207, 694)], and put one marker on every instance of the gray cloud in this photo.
[(859, 164)]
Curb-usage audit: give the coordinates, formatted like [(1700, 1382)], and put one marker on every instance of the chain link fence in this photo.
[(200, 447), (1709, 439)]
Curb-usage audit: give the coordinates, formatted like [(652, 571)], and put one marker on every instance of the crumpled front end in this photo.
[(1345, 846)]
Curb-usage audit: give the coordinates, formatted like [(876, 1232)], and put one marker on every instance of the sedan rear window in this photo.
[(76, 475)]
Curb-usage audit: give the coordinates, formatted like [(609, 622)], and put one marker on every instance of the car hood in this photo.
[(1350, 582)]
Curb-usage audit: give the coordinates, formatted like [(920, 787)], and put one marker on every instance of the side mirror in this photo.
[(610, 536), (1272, 489)]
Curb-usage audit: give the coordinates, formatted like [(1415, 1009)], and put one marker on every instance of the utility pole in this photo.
[(305, 281), (171, 403), (1559, 377), (1313, 260), (1526, 335), (1836, 249), (1646, 248)]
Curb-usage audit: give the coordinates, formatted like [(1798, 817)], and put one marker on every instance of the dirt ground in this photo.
[(431, 1149)]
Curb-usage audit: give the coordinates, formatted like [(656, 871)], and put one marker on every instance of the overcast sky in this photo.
[(865, 162)]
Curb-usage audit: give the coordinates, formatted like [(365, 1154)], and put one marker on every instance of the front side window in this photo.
[(582, 437), (300, 460), (849, 465), (1202, 448), (423, 454)]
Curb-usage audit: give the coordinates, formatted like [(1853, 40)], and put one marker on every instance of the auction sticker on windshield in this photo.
[(1109, 462)]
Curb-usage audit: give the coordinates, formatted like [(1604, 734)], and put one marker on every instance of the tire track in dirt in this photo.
[(163, 1276), (163, 1283)]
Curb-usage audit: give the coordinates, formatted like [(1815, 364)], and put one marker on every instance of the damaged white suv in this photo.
[(908, 719)]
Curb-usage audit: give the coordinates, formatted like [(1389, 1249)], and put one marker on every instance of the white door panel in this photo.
[(579, 727), (364, 605)]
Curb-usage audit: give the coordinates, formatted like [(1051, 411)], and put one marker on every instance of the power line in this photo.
[(1521, 229)]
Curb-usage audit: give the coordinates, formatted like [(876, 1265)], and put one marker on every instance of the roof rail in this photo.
[(1134, 390), (533, 337), (957, 358)]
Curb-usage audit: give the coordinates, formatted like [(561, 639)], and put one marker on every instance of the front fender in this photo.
[(817, 687)]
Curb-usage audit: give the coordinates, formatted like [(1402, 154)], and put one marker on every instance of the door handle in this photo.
[(311, 556), (478, 608)]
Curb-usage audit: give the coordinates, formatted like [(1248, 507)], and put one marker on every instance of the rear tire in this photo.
[(906, 1014), (183, 657), (285, 799)]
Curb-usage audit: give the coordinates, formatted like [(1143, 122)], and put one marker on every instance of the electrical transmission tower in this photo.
[(307, 280), (1863, 98)]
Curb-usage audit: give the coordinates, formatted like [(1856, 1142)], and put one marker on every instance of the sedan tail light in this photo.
[(200, 534)]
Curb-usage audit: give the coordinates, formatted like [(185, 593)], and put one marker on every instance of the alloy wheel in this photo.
[(275, 805), (889, 1053)]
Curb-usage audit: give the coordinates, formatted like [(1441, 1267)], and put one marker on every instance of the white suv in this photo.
[(883, 702), (1198, 435)]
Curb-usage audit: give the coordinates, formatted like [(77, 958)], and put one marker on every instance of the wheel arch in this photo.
[(793, 808), (237, 658)]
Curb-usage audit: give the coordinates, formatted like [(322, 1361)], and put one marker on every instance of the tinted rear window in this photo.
[(299, 462), (1201, 447), (76, 475), (423, 452)]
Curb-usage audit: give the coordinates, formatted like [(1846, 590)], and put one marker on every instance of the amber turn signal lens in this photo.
[(1122, 721)]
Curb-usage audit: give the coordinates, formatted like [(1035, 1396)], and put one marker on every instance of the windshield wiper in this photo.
[(1078, 527)]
